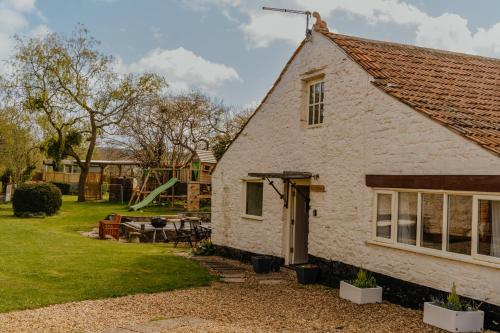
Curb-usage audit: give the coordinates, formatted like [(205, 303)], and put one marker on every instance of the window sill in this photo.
[(314, 126), (435, 253), (252, 217)]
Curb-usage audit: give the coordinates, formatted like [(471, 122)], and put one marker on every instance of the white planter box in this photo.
[(360, 295), (453, 321)]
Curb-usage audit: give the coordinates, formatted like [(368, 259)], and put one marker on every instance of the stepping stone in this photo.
[(233, 275), (270, 282), (233, 280)]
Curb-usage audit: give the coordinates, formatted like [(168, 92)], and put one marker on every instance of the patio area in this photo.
[(250, 304)]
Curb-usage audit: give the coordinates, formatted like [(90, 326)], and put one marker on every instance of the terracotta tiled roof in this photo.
[(460, 91)]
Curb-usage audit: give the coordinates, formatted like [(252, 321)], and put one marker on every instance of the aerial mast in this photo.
[(294, 11)]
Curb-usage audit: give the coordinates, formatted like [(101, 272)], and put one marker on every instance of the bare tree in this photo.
[(74, 93), (168, 131)]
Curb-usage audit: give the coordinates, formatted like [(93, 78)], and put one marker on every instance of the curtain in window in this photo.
[(495, 229), (407, 218)]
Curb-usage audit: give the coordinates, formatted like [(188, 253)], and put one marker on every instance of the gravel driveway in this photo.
[(274, 303)]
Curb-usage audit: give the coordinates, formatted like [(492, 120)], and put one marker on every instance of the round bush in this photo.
[(64, 187), (36, 199)]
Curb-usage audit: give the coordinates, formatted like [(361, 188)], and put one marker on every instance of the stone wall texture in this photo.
[(365, 132)]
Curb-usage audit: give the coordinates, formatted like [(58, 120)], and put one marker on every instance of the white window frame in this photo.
[(474, 258), (308, 104), (244, 202), (475, 225), (393, 218), (418, 234)]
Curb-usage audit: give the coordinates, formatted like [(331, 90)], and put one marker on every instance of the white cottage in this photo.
[(373, 154)]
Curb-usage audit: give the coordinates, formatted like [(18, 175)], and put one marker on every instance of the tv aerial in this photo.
[(294, 11)]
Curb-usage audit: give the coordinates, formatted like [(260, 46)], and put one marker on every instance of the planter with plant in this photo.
[(307, 273), (262, 264), (453, 315), (362, 290), (204, 248)]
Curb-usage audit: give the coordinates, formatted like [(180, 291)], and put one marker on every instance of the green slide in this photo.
[(151, 196)]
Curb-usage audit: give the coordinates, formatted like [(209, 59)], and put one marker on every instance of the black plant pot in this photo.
[(262, 264), (307, 274)]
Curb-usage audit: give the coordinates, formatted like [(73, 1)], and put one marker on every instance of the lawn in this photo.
[(46, 261)]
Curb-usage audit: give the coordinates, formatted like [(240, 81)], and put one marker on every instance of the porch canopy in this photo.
[(286, 176), (281, 175)]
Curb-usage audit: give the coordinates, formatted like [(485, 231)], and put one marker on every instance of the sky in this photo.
[(231, 49)]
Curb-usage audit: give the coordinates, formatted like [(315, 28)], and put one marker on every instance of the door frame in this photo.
[(289, 241)]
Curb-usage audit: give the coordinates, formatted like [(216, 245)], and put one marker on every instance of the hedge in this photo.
[(36, 199), (64, 187)]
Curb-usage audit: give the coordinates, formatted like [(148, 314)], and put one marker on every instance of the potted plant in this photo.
[(262, 264), (307, 273), (362, 290), (452, 315)]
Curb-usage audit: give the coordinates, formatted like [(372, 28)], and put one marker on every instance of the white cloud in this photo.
[(447, 31), (182, 68), (13, 20), (205, 4), (21, 5)]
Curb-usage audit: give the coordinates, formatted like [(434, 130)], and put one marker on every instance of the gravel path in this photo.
[(228, 307)]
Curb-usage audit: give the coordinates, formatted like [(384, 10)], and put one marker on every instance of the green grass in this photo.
[(46, 261)]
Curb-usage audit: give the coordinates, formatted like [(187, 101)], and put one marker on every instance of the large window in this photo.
[(488, 243), (459, 224), (432, 220), (315, 105), (407, 217), (254, 198), (384, 215), (455, 224)]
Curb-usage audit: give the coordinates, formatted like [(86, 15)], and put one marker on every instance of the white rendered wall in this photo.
[(365, 132)]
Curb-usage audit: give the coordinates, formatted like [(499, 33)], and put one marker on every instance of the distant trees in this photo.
[(168, 131), (73, 93), (71, 96), (19, 153)]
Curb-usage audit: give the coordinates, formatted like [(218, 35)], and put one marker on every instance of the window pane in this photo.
[(254, 199), (316, 92), (316, 113), (322, 91), (384, 215), (407, 217), (432, 220), (459, 224), (321, 113), (489, 228), (311, 112), (311, 95)]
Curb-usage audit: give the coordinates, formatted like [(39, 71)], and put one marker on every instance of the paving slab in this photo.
[(233, 280), (271, 281), (160, 326)]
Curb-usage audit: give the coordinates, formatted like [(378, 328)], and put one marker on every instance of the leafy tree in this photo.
[(18, 149), (74, 94)]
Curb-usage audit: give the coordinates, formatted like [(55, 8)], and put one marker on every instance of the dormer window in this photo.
[(315, 105)]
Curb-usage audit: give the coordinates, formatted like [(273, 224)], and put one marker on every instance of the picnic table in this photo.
[(176, 229)]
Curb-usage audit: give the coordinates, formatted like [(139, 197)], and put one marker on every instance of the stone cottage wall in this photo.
[(365, 132)]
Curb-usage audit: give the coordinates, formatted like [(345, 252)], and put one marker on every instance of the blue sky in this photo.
[(233, 50)]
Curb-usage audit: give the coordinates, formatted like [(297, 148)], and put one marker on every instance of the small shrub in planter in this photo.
[(64, 187), (452, 315), (204, 248), (362, 290), (307, 274), (262, 264), (36, 199)]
